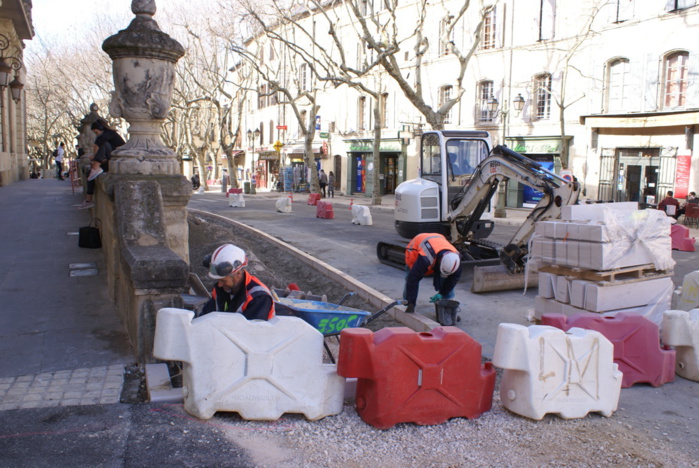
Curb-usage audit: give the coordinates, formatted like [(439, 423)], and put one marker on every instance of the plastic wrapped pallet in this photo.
[(611, 238)]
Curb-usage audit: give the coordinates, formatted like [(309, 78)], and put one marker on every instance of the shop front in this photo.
[(643, 156), (295, 174), (267, 169), (545, 151), (361, 166)]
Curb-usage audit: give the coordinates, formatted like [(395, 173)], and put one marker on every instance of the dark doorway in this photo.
[(390, 174)]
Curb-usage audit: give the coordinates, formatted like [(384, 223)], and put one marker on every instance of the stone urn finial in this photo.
[(144, 59), (143, 7)]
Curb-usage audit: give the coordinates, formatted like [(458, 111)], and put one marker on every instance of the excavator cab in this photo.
[(448, 160)]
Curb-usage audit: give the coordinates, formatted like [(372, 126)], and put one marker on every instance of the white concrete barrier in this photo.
[(361, 215), (548, 370), (681, 330), (236, 199), (259, 369), (283, 204)]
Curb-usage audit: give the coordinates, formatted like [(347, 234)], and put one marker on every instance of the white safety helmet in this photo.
[(225, 261), (451, 261)]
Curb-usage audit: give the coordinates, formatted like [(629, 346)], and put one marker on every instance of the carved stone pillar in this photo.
[(144, 59), (145, 231)]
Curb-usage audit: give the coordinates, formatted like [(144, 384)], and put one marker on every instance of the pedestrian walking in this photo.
[(331, 184), (323, 181), (59, 153)]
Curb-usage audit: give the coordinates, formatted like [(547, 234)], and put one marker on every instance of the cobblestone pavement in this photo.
[(86, 386)]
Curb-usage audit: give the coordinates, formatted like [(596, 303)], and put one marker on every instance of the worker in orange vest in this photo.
[(236, 290), (426, 254)]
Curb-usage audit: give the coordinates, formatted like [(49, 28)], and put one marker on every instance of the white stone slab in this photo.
[(547, 370)]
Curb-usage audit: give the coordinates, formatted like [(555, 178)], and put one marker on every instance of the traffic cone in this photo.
[(351, 203), (291, 196)]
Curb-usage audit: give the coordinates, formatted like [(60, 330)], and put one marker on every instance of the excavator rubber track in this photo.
[(392, 252)]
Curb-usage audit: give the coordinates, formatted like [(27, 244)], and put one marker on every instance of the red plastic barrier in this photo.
[(233, 190), (313, 199), (325, 210), (425, 378), (680, 238), (636, 343)]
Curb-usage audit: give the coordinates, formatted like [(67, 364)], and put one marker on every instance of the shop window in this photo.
[(542, 91), (673, 5), (675, 80), (622, 10), (384, 110), (547, 19), (446, 36), (303, 77), (361, 113), (617, 85), (485, 91), (444, 97), (489, 38)]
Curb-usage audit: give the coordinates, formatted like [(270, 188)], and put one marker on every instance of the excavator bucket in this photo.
[(499, 278)]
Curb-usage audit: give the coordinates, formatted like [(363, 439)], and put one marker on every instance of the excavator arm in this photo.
[(504, 164)]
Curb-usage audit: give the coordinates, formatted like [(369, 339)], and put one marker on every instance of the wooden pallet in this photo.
[(617, 275)]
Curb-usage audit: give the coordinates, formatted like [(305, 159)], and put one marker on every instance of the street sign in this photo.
[(282, 127), (324, 135), (278, 145)]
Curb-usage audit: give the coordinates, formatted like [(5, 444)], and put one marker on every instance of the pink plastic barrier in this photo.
[(325, 210), (636, 343), (680, 238), (425, 378), (313, 199)]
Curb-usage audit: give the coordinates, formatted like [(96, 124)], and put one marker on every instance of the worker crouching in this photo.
[(236, 290), (426, 254)]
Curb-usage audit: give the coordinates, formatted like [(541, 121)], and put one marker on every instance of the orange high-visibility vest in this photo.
[(428, 245)]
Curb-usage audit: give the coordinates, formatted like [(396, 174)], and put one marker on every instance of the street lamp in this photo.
[(252, 136), (518, 103)]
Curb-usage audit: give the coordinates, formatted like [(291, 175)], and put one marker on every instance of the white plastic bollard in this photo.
[(361, 215), (236, 200), (681, 330), (283, 204), (548, 370), (259, 369)]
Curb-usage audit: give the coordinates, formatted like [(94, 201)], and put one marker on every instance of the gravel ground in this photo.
[(497, 438)]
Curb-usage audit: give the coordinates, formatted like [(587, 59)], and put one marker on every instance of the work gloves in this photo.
[(436, 297)]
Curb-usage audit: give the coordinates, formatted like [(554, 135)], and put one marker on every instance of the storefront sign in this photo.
[(324, 135), (684, 163), (536, 145), (368, 146)]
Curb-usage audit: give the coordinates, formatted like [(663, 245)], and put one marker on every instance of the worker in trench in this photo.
[(426, 254), (236, 290)]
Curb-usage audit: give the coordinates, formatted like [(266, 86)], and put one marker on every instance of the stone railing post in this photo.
[(150, 252)]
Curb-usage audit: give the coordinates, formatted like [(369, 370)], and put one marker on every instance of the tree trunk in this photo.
[(376, 192)]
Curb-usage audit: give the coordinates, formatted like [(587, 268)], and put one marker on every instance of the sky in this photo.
[(67, 18)]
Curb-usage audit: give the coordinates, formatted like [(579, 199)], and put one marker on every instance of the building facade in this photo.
[(607, 90), (15, 27)]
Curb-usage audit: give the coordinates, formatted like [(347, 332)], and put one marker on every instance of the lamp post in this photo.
[(252, 136), (518, 102)]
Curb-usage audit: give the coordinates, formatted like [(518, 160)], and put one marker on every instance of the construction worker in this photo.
[(431, 253), (236, 289)]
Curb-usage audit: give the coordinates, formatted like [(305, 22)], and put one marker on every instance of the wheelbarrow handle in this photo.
[(385, 309)]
